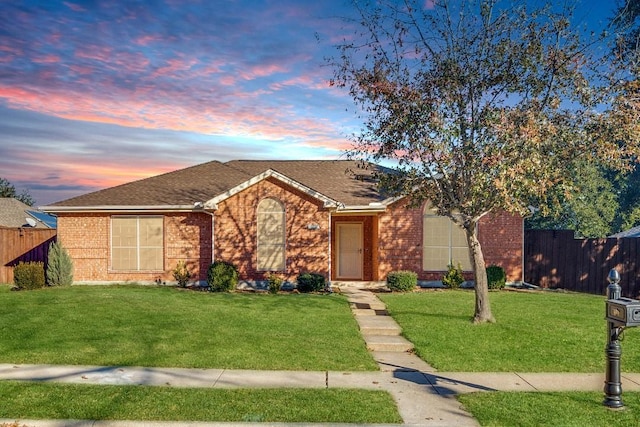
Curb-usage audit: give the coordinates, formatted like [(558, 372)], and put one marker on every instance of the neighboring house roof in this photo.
[(14, 213), (340, 183), (632, 232)]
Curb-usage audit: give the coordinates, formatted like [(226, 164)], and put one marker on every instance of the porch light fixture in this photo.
[(313, 226)]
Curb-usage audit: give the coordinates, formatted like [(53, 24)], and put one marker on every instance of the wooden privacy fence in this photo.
[(22, 244), (555, 259)]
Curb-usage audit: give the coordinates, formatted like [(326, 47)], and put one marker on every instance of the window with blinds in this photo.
[(443, 242), (137, 243), (271, 235)]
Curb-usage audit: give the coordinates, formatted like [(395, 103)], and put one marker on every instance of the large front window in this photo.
[(137, 243), (444, 243), (271, 236)]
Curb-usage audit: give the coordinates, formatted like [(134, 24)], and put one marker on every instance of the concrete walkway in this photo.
[(424, 397)]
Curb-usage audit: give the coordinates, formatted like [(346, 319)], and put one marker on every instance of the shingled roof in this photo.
[(14, 214), (348, 183)]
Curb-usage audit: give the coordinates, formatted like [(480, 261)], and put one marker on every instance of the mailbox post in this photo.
[(613, 351), (621, 313)]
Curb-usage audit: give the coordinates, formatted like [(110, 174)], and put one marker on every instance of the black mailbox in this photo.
[(623, 312)]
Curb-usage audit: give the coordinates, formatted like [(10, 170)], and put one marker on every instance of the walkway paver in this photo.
[(418, 401)]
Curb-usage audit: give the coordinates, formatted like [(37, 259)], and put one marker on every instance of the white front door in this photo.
[(349, 242)]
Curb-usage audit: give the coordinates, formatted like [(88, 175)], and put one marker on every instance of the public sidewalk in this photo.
[(424, 397)]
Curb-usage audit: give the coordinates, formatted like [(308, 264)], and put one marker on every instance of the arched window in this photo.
[(443, 242), (271, 236)]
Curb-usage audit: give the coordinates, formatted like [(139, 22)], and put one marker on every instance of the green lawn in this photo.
[(168, 327), (575, 409), (534, 332), (164, 327), (93, 402)]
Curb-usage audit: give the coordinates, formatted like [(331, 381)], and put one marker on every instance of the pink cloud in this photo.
[(46, 59), (90, 172), (213, 67), (263, 71), (273, 123), (228, 80), (10, 49), (74, 7), (95, 53), (81, 69), (54, 38), (114, 60), (173, 67), (147, 39)]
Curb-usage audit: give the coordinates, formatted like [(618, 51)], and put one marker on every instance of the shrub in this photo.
[(310, 282), (222, 276), (402, 281), (275, 283), (496, 277), (29, 275), (181, 274), (59, 266), (453, 278)]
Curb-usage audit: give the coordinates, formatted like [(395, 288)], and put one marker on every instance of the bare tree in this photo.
[(481, 104)]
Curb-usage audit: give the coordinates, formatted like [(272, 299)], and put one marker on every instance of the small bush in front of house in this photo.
[(453, 278), (275, 283), (496, 277), (222, 276), (29, 275), (181, 274), (402, 280), (310, 282), (59, 266)]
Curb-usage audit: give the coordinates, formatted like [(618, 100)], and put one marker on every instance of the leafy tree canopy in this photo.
[(598, 190), (627, 24), (483, 105)]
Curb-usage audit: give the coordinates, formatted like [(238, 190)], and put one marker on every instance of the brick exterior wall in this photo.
[(392, 240), (502, 239), (235, 231), (86, 237), (400, 242)]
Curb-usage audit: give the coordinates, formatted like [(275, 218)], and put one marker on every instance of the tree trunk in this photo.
[(483, 307)]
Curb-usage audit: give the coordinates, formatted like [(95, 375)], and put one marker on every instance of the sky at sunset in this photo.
[(102, 92)]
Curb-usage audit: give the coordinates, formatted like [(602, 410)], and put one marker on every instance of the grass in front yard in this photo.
[(94, 402), (167, 327), (535, 332), (579, 409)]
